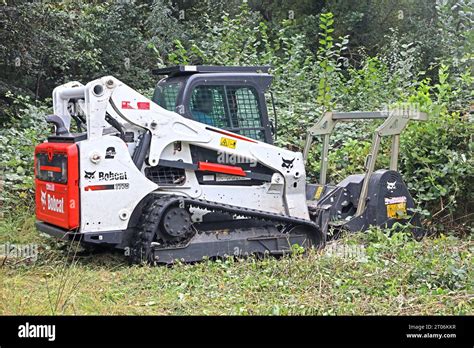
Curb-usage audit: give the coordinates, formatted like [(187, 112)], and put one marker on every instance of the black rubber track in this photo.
[(148, 229)]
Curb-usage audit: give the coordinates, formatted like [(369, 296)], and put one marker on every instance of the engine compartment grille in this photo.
[(163, 175)]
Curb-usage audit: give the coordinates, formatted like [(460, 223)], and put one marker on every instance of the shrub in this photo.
[(17, 141)]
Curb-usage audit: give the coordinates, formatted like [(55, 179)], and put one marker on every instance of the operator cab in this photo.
[(230, 98)]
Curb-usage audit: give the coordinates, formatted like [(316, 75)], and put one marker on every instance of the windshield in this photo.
[(165, 95)]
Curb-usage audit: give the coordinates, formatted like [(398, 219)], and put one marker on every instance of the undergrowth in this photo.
[(378, 272)]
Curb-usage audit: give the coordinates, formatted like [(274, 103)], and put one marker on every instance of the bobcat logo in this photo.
[(43, 199), (391, 186), (89, 175), (287, 163)]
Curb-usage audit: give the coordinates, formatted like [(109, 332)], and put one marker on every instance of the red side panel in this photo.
[(221, 168), (57, 184)]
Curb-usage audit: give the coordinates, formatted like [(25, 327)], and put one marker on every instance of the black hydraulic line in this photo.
[(83, 120), (144, 144), (116, 109), (141, 150), (78, 122), (116, 124), (275, 115)]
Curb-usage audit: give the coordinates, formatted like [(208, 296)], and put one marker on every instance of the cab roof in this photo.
[(182, 70)]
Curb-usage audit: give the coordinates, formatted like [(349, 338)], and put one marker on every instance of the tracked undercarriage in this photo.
[(167, 233)]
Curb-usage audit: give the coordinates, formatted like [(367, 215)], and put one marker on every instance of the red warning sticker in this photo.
[(140, 105), (143, 106), (126, 105)]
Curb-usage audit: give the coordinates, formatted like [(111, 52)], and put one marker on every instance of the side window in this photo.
[(165, 95), (207, 105), (235, 108), (245, 111)]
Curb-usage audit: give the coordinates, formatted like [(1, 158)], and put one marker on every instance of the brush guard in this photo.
[(363, 188)]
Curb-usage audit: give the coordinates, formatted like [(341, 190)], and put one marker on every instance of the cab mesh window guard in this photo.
[(235, 108), (166, 95)]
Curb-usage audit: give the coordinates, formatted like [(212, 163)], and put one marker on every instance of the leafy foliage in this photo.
[(48, 43), (17, 143), (437, 155)]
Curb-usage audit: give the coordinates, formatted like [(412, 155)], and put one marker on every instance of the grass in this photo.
[(370, 273)]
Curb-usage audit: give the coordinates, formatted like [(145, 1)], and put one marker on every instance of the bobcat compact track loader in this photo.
[(193, 172)]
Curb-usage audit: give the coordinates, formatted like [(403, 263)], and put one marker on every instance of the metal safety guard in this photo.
[(395, 122)]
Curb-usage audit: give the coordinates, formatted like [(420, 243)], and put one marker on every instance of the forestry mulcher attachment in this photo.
[(193, 173)]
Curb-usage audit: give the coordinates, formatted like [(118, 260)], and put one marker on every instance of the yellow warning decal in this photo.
[(227, 142), (396, 207), (318, 192)]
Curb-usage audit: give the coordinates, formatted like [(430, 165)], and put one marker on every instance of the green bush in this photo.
[(437, 163), (17, 141)]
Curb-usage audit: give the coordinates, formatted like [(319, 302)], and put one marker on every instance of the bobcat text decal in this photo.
[(103, 176), (106, 176), (50, 202)]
